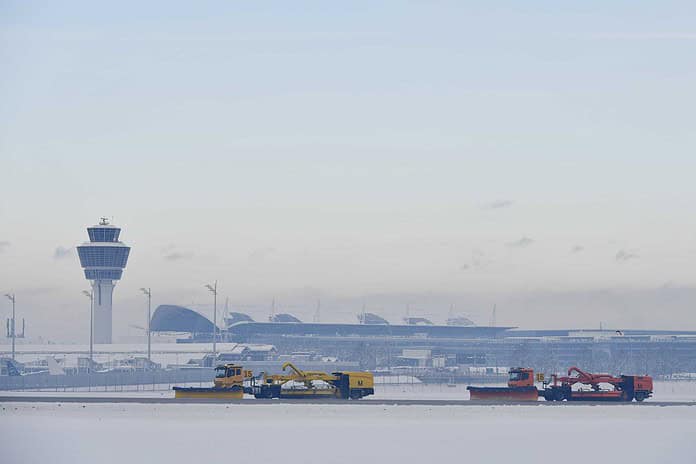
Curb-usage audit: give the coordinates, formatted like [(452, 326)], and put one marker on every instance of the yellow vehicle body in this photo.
[(314, 384), (358, 380), (308, 393)]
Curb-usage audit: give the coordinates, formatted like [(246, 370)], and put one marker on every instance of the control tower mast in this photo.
[(103, 259)]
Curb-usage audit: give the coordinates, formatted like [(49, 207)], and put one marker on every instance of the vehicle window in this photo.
[(220, 372)]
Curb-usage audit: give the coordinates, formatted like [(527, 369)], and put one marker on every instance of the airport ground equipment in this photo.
[(624, 387), (313, 384), (228, 384), (520, 387)]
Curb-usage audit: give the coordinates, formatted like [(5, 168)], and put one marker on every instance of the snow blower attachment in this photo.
[(624, 387)]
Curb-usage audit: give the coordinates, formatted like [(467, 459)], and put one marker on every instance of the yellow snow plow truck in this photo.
[(313, 384)]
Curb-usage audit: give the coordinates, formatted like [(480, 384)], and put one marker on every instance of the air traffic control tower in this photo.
[(103, 259)]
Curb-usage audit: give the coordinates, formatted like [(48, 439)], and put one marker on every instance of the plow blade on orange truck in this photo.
[(503, 393)]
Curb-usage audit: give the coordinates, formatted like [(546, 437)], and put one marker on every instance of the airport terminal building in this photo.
[(376, 344)]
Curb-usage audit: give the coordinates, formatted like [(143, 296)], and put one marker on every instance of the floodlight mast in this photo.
[(11, 297), (90, 295), (148, 293), (213, 289)]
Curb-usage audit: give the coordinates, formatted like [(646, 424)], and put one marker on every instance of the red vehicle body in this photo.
[(625, 387)]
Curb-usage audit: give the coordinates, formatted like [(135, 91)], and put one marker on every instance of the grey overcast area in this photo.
[(425, 193)]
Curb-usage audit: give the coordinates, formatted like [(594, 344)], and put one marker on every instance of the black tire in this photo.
[(558, 395), (264, 393), (355, 395), (640, 396)]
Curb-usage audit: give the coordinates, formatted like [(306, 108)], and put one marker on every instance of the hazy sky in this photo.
[(529, 152)]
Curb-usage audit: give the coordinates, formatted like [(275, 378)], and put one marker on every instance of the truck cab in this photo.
[(228, 375), (639, 387), (521, 377)]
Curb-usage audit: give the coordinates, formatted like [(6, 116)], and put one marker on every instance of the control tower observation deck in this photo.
[(103, 259)]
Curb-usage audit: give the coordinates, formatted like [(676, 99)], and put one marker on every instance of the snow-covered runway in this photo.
[(125, 433)]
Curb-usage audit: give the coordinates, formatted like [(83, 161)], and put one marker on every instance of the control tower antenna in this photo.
[(317, 313), (103, 259), (271, 316)]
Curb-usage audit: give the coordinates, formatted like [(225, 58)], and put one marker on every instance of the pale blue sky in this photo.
[(352, 150)]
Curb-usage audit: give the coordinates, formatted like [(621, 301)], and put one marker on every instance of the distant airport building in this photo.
[(371, 319), (457, 346), (103, 259), (173, 318), (284, 317)]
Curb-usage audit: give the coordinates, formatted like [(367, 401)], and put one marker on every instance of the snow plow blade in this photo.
[(232, 393), (512, 394)]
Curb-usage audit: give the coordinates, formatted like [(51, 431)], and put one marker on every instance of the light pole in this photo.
[(213, 290), (12, 324), (148, 293), (90, 295)]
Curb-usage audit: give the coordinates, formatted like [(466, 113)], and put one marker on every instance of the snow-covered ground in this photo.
[(682, 390), (337, 434), (176, 433)]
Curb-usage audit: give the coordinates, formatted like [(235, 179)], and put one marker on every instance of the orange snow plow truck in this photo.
[(520, 387)]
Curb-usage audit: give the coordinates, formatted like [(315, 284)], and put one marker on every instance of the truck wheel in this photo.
[(355, 395), (558, 395), (265, 394), (640, 396)]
